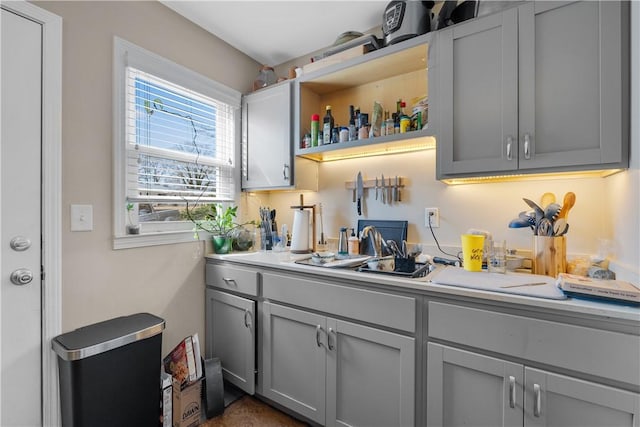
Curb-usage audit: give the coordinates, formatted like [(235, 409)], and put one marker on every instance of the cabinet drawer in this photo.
[(393, 311), (606, 354), (232, 278)]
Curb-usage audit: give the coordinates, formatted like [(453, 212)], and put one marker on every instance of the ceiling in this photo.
[(275, 32)]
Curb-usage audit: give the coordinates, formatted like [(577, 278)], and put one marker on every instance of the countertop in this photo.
[(286, 261)]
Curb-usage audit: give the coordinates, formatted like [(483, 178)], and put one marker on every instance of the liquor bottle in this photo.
[(327, 126), (352, 124)]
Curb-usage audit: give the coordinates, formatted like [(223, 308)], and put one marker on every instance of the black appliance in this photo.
[(403, 20)]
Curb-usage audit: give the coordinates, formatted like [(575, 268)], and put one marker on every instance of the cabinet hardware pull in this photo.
[(537, 400), (527, 146), (318, 329), (331, 347), (512, 391), (509, 145), (247, 319), (228, 281), (285, 169)]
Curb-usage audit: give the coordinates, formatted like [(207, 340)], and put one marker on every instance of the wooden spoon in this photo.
[(567, 204), (547, 199)]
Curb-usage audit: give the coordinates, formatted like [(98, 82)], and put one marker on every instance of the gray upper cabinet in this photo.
[(267, 148), (542, 87), (266, 138)]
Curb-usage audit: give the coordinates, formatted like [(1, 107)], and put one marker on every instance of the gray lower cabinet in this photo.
[(336, 372), (466, 388), (536, 88), (230, 336)]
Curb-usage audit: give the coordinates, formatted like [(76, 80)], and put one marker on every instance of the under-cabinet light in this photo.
[(532, 177), (425, 143)]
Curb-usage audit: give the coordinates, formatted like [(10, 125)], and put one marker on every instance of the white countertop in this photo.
[(286, 261)]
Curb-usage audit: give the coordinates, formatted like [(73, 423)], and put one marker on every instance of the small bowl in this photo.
[(382, 264), (322, 257)]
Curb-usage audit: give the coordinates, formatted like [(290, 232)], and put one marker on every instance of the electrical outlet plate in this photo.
[(433, 215)]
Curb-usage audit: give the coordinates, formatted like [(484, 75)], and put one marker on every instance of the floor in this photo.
[(247, 411)]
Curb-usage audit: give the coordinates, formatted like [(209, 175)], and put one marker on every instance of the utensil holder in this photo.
[(549, 255), (405, 265)]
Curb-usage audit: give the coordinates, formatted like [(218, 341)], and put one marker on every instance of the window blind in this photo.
[(179, 143)]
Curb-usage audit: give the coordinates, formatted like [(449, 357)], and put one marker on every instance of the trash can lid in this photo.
[(108, 335)]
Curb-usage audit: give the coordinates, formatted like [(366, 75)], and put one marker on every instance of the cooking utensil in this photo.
[(519, 223), (384, 191), (544, 227), (547, 199), (567, 204), (360, 190), (559, 226), (525, 284), (537, 209), (551, 211)]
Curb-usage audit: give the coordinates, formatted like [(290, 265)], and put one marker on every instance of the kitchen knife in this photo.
[(395, 190), (360, 190), (384, 191), (376, 188)]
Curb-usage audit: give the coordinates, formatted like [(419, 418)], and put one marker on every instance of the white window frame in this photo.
[(128, 54)]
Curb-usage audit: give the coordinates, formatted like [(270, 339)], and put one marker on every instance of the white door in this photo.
[(20, 219)]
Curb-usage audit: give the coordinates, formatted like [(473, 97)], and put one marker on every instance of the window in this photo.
[(174, 144)]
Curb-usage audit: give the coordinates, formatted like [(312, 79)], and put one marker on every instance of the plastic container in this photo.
[(110, 372), (353, 244)]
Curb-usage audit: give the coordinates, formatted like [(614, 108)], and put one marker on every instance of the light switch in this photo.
[(81, 217)]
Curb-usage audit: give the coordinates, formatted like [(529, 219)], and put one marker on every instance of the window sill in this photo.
[(152, 239)]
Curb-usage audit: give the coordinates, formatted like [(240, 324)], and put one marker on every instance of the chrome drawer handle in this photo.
[(512, 391), (331, 331), (230, 282), (527, 146), (247, 319), (537, 400), (318, 330), (285, 169), (509, 145)]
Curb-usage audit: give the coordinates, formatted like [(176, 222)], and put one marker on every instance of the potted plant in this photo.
[(131, 227), (220, 222)]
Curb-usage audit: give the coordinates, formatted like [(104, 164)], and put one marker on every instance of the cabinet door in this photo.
[(477, 98), (230, 332), (294, 360), (266, 138), (469, 389), (557, 400), (571, 77), (370, 376)]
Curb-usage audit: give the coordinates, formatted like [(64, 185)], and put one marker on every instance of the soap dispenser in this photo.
[(353, 243)]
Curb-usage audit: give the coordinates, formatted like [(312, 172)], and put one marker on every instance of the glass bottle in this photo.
[(327, 126)]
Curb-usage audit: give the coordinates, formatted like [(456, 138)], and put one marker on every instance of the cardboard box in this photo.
[(166, 403), (186, 404), (335, 59)]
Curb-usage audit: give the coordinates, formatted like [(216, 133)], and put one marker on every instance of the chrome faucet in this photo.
[(375, 240)]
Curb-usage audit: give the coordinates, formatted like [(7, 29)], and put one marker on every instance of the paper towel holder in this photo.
[(301, 207)]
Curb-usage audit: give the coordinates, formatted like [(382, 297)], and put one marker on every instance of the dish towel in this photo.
[(531, 285)]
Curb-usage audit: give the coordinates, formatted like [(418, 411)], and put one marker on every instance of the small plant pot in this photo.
[(222, 244), (133, 229)]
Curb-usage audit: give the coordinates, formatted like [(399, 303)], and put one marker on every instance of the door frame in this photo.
[(51, 188)]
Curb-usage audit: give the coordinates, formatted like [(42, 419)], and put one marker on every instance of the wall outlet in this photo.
[(432, 215)]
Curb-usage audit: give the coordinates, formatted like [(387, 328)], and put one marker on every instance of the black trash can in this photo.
[(110, 372)]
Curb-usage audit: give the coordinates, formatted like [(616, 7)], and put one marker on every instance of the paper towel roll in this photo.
[(300, 232)]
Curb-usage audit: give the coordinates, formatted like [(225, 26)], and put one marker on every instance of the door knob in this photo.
[(20, 243), (21, 276)]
